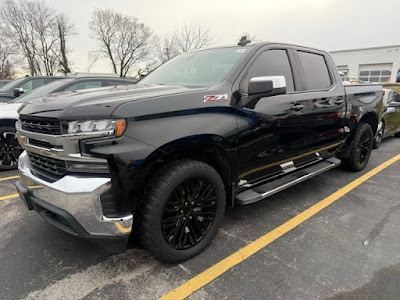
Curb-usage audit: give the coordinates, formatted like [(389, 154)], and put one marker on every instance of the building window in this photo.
[(375, 76), (344, 70)]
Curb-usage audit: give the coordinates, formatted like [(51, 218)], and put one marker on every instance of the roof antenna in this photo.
[(243, 41)]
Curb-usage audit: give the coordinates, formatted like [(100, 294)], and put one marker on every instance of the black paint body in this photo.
[(165, 122)]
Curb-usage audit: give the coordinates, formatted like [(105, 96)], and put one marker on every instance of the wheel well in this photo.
[(371, 119), (211, 154)]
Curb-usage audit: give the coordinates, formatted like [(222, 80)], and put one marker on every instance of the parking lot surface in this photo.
[(349, 250)]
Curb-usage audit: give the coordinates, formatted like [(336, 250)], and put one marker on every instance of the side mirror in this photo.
[(265, 86), (394, 104), (18, 92)]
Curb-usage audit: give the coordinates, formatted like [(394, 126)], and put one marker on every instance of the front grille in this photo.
[(47, 168), (41, 125), (43, 144)]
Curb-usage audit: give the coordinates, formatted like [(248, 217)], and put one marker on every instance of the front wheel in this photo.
[(10, 149), (360, 149), (181, 210)]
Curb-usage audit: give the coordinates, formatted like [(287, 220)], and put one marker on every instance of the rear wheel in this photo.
[(360, 149), (10, 149), (182, 210), (397, 134)]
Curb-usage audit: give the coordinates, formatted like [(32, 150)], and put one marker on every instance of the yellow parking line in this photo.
[(239, 256), (12, 196), (9, 178), (122, 228)]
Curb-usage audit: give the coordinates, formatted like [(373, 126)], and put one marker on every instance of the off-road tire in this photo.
[(159, 191), (353, 162)]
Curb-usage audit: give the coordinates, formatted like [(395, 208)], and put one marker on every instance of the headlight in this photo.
[(112, 127)]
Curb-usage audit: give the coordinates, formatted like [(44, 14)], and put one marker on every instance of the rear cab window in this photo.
[(316, 72)]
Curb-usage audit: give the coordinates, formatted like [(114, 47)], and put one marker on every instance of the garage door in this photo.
[(376, 72)]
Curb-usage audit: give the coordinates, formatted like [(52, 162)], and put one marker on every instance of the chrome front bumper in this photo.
[(79, 196)]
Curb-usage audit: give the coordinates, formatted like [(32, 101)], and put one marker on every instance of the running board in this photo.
[(263, 191)]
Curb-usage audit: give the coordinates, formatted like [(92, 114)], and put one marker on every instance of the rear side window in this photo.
[(315, 71), (118, 82), (84, 85), (270, 63)]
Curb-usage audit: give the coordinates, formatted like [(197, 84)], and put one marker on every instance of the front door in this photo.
[(272, 134)]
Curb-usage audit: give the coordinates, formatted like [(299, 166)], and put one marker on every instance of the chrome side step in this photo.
[(263, 191)]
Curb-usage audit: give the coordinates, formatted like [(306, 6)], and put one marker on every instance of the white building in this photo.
[(376, 64)]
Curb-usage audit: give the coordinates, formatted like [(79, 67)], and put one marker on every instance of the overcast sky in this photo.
[(326, 24)]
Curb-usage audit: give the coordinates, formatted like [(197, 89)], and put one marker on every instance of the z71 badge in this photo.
[(215, 98)]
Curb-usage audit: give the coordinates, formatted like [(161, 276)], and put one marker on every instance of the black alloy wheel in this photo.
[(364, 146), (10, 149), (181, 210), (360, 148), (189, 213)]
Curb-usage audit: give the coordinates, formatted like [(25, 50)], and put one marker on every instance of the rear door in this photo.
[(323, 91), (271, 135)]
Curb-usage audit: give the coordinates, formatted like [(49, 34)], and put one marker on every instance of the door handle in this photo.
[(297, 107)]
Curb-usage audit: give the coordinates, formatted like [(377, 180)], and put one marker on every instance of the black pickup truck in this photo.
[(161, 160)]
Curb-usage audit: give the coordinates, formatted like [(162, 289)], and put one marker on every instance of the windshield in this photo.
[(42, 91), (196, 69), (11, 85)]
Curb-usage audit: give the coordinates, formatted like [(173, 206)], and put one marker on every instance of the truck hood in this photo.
[(99, 103), (9, 111)]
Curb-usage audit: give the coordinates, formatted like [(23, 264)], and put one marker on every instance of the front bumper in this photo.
[(73, 205)]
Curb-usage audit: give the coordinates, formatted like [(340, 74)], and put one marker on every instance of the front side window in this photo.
[(84, 85), (31, 85), (315, 71), (42, 91), (270, 63), (11, 85)]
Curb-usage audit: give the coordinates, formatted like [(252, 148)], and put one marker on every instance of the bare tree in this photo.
[(65, 29), (15, 27), (7, 52), (165, 48), (122, 39), (192, 36), (93, 57), (34, 29), (43, 21)]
